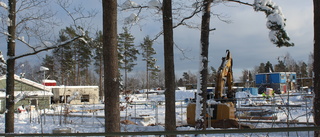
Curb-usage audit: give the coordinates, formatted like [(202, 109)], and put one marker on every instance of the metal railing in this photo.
[(189, 132)]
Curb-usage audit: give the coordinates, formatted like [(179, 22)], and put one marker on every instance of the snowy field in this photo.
[(148, 115)]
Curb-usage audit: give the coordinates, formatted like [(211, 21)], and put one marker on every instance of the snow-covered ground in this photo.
[(148, 115)]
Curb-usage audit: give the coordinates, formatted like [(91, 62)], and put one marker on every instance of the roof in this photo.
[(28, 93), (28, 82), (73, 87)]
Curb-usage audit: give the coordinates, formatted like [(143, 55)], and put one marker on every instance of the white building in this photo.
[(76, 94)]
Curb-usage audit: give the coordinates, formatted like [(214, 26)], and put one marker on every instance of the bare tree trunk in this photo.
[(110, 56), (101, 93), (9, 116), (204, 39), (170, 115), (147, 79), (316, 65)]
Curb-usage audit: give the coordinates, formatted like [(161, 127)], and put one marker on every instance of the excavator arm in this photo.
[(219, 115), (224, 75)]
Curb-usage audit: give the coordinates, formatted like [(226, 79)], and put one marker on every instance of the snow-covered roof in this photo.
[(49, 81), (29, 82), (34, 93), (2, 94), (20, 95), (28, 93), (74, 87)]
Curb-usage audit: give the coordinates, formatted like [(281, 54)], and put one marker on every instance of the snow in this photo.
[(74, 96), (84, 40), (154, 4), (21, 95), (129, 4), (143, 112), (42, 68), (132, 19), (2, 63), (22, 39), (4, 5), (9, 22), (275, 18)]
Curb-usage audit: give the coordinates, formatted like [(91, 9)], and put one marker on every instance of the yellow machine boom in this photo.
[(224, 75), (219, 114)]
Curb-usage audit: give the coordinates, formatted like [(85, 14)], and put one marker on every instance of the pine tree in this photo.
[(261, 68), (98, 60), (82, 57), (316, 65), (170, 117), (49, 62), (64, 59), (147, 56), (303, 69), (127, 53), (186, 78), (213, 75), (73, 59), (110, 53), (268, 67), (280, 67)]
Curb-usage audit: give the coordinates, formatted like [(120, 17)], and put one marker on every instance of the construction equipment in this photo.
[(220, 112), (224, 76)]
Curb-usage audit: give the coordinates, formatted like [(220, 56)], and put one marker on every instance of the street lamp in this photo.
[(44, 69)]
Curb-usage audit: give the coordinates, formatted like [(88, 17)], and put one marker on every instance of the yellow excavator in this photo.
[(224, 76), (220, 113)]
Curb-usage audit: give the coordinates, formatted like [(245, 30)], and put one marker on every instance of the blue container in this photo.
[(260, 78), (253, 91), (275, 78)]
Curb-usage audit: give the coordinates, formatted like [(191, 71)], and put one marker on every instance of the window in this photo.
[(85, 98)]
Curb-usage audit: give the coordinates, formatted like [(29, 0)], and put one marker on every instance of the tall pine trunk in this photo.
[(101, 93), (316, 65), (110, 56), (9, 116), (170, 115)]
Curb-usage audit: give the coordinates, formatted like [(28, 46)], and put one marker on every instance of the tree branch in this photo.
[(182, 22), (49, 48), (238, 1)]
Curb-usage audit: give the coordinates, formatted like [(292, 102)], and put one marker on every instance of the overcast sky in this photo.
[(246, 36)]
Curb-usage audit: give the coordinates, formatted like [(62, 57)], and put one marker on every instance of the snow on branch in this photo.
[(3, 65), (155, 4), (4, 5), (128, 4), (275, 22), (132, 19), (2, 60)]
